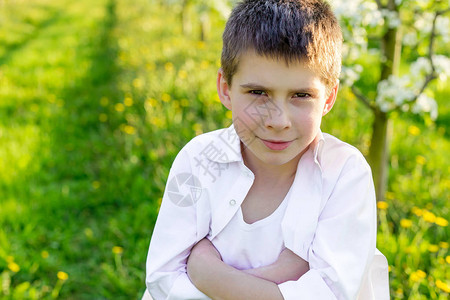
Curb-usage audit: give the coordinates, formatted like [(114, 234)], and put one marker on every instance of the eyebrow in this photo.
[(255, 86)]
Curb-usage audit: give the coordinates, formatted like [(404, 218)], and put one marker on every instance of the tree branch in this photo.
[(432, 75), (379, 4), (363, 98)]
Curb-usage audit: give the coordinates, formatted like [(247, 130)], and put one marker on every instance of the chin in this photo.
[(276, 161)]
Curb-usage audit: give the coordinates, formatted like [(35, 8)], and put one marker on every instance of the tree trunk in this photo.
[(185, 20), (379, 153), (204, 27), (379, 147)]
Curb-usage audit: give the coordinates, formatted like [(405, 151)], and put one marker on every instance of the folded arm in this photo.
[(220, 281)]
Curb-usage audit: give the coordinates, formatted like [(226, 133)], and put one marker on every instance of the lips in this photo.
[(276, 145)]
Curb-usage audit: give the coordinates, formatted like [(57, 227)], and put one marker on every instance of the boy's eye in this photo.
[(258, 92), (302, 95)]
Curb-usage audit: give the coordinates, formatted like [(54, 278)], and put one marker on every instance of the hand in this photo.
[(294, 265)]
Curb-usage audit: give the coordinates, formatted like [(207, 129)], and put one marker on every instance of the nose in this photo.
[(277, 116)]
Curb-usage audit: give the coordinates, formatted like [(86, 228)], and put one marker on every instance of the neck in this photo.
[(272, 174)]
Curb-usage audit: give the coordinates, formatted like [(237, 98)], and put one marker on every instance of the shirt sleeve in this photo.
[(174, 235), (344, 240)]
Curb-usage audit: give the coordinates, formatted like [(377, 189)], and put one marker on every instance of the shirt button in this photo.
[(232, 202)]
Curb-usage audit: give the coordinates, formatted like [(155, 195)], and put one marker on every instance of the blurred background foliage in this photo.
[(96, 99)]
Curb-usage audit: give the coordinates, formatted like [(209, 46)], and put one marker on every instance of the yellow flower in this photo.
[(417, 211), (382, 205), (420, 160), (414, 130), (128, 101), (165, 97), (441, 222), (117, 250), (197, 128), (421, 274), (119, 107), (429, 216), (158, 122), (447, 259), (44, 254), (104, 101), (433, 248), (62, 275), (414, 277), (200, 45), (128, 129), (443, 286), (229, 114), (13, 267), (443, 245), (184, 102), (103, 117), (417, 276), (390, 195), (405, 223), (96, 184), (137, 83), (204, 65), (169, 67), (151, 102), (182, 74), (88, 232)]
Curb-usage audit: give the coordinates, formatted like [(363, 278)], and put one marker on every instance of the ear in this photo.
[(331, 99), (223, 89)]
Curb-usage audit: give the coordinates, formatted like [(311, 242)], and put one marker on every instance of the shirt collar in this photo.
[(230, 146)]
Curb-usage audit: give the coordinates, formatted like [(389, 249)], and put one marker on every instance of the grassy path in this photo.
[(66, 176), (96, 99)]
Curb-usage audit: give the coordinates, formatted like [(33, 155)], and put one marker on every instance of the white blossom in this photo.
[(442, 65), (392, 18), (394, 92), (350, 74), (425, 104), (424, 22), (443, 27), (410, 38), (420, 67)]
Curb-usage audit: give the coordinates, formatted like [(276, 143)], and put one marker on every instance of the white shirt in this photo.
[(330, 218), (247, 246)]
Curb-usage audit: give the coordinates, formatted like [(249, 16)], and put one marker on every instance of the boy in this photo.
[(270, 208)]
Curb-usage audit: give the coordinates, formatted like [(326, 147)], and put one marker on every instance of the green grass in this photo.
[(96, 99)]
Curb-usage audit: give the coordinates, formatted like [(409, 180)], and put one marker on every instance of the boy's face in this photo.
[(277, 109)]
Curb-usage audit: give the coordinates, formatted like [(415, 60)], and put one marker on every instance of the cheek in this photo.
[(246, 114), (307, 118)]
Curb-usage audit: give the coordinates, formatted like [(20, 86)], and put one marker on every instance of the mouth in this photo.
[(276, 145)]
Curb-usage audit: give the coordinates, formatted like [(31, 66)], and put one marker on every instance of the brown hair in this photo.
[(294, 30)]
